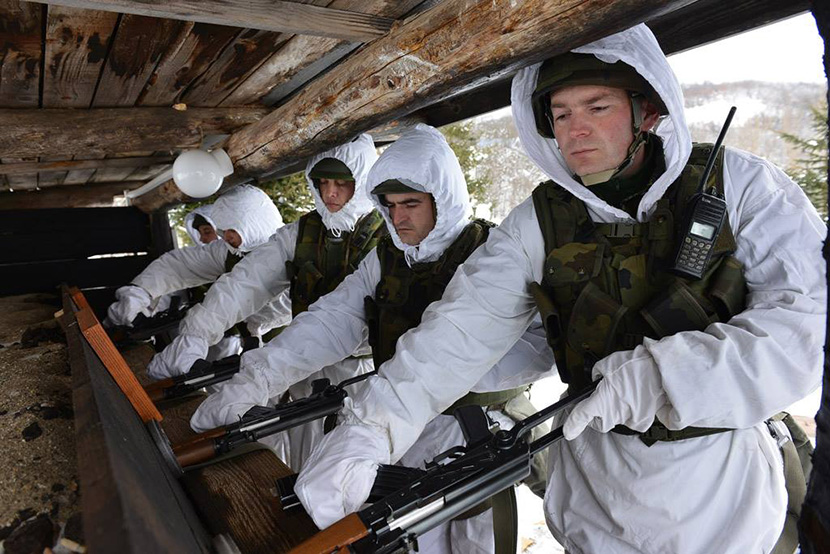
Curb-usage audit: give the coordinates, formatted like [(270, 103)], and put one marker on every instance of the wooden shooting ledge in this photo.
[(131, 501)]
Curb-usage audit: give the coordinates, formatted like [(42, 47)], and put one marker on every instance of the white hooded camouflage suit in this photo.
[(335, 325), (244, 209), (262, 277), (609, 492)]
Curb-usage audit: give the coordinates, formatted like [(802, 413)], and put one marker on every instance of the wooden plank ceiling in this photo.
[(97, 95), (96, 82)]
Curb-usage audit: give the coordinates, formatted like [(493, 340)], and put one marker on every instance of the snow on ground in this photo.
[(716, 110)]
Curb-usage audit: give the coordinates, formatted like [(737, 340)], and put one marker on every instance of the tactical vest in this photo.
[(322, 260), (403, 293), (606, 286), (240, 328)]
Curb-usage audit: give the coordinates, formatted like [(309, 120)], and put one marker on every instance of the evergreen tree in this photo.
[(464, 143), (810, 170)]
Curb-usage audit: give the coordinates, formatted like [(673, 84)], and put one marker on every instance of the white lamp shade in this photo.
[(199, 174)]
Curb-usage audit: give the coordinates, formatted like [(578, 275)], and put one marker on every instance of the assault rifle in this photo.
[(144, 328), (446, 490), (202, 374), (258, 422)]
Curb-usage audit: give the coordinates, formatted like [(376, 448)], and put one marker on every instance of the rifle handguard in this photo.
[(156, 390), (199, 449), (335, 538)]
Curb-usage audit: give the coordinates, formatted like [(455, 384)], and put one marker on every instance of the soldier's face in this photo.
[(335, 193), (232, 238), (593, 128), (412, 215), (207, 234)]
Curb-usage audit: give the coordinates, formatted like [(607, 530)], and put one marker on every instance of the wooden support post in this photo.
[(814, 525)]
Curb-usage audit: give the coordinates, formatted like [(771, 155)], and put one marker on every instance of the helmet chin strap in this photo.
[(639, 139)]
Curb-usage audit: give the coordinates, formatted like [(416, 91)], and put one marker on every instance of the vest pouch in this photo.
[(728, 289), (594, 321), (306, 282), (675, 310), (549, 315), (372, 320), (391, 292), (573, 263)]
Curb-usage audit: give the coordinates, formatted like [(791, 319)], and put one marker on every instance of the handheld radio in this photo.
[(704, 219)]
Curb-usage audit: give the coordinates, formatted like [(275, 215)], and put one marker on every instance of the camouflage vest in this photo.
[(230, 262), (606, 286), (403, 293), (322, 260)]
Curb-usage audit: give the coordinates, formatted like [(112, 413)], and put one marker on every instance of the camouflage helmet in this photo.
[(584, 69), (329, 168)]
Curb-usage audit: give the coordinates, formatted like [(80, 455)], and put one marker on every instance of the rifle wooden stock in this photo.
[(198, 449), (117, 334), (334, 539), (156, 390)]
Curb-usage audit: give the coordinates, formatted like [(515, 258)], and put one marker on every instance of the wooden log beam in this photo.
[(99, 195), (456, 45), (425, 62), (703, 22), (108, 131), (266, 15), (69, 165)]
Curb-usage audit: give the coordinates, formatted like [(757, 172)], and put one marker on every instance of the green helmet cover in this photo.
[(198, 221), (572, 69), (330, 168)]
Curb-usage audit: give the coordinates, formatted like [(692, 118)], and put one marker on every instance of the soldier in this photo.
[(246, 217), (419, 188), (672, 452), (302, 261), (199, 225)]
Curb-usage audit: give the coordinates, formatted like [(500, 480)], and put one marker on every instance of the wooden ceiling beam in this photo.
[(66, 196), (446, 55), (703, 22), (108, 131), (265, 15), (457, 45), (28, 168)]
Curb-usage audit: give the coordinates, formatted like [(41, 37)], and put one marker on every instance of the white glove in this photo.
[(235, 397), (338, 476), (178, 357), (630, 393), (130, 301), (228, 346)]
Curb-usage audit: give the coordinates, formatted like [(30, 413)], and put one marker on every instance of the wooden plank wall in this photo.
[(41, 248)]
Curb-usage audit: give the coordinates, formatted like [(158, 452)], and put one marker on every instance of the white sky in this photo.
[(788, 51)]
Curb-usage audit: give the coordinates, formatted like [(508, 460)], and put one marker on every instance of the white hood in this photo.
[(204, 211), (638, 48), (248, 211), (422, 156), (358, 155)]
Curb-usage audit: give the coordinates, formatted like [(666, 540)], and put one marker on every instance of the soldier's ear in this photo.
[(651, 114)]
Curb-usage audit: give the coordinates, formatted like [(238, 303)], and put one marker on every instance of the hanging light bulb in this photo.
[(199, 174)]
